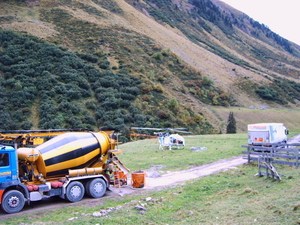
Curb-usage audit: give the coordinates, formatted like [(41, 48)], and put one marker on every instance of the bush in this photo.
[(104, 65), (130, 90), (126, 96), (88, 57), (162, 114), (172, 104), (267, 93), (6, 121), (111, 103), (89, 120), (73, 123), (158, 56), (68, 108), (207, 82), (91, 105)]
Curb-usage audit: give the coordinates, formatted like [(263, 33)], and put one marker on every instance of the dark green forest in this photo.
[(59, 89), (48, 85)]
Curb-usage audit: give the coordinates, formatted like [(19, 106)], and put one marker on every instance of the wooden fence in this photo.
[(284, 154)]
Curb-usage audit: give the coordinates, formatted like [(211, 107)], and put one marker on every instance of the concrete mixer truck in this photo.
[(69, 165)]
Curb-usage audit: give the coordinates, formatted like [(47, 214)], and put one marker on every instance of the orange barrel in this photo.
[(138, 179)]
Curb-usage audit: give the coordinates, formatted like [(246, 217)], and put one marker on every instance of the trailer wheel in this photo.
[(13, 201), (95, 188), (75, 191)]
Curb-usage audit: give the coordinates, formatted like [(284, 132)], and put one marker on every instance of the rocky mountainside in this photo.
[(138, 63)]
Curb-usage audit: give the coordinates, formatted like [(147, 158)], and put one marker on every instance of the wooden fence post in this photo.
[(297, 159), (248, 155)]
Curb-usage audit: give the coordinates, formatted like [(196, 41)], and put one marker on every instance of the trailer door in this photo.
[(258, 137)]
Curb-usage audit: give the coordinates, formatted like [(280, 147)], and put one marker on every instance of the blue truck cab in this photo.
[(12, 192), (8, 165)]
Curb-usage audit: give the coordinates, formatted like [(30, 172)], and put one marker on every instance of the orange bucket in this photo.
[(138, 179)]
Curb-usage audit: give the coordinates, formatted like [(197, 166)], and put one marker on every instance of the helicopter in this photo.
[(165, 139)]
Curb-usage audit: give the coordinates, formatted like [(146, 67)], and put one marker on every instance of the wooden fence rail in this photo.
[(284, 154)]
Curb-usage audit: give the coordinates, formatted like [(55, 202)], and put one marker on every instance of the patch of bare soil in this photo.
[(154, 181)]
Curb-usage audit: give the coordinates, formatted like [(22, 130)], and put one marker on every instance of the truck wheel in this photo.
[(13, 201), (75, 191), (95, 188)]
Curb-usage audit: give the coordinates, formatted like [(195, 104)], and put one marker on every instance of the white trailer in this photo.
[(267, 133)]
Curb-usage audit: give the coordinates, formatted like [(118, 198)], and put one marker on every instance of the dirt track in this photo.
[(157, 182), (185, 175), (153, 182)]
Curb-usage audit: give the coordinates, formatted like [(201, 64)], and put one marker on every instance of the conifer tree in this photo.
[(231, 124)]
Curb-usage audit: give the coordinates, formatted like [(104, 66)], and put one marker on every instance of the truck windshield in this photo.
[(4, 159)]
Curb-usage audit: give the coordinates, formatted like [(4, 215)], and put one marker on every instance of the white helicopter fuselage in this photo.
[(171, 140)]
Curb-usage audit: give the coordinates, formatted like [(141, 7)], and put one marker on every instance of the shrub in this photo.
[(91, 105), (130, 90), (158, 56), (88, 57), (6, 121), (165, 52), (126, 96), (162, 114), (125, 103), (111, 103), (267, 93), (73, 93), (198, 118), (104, 65), (68, 108), (173, 103), (119, 121), (156, 47), (146, 98), (207, 81), (89, 120), (140, 120), (158, 88), (73, 123)]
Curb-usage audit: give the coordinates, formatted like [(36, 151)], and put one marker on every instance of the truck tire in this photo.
[(13, 201), (75, 191), (95, 188)]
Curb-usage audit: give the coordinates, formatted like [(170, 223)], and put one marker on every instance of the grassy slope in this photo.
[(215, 67), (246, 116), (219, 70)]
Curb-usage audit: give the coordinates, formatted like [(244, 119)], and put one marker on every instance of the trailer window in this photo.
[(4, 159)]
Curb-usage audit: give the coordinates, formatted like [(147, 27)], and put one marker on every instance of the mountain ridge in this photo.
[(175, 49)]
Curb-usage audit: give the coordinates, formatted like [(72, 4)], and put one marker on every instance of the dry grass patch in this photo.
[(245, 116)]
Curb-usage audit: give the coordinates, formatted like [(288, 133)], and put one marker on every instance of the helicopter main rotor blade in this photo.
[(180, 131), (180, 128), (162, 129), (145, 128)]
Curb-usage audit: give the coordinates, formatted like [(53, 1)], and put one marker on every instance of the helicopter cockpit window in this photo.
[(4, 159)]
